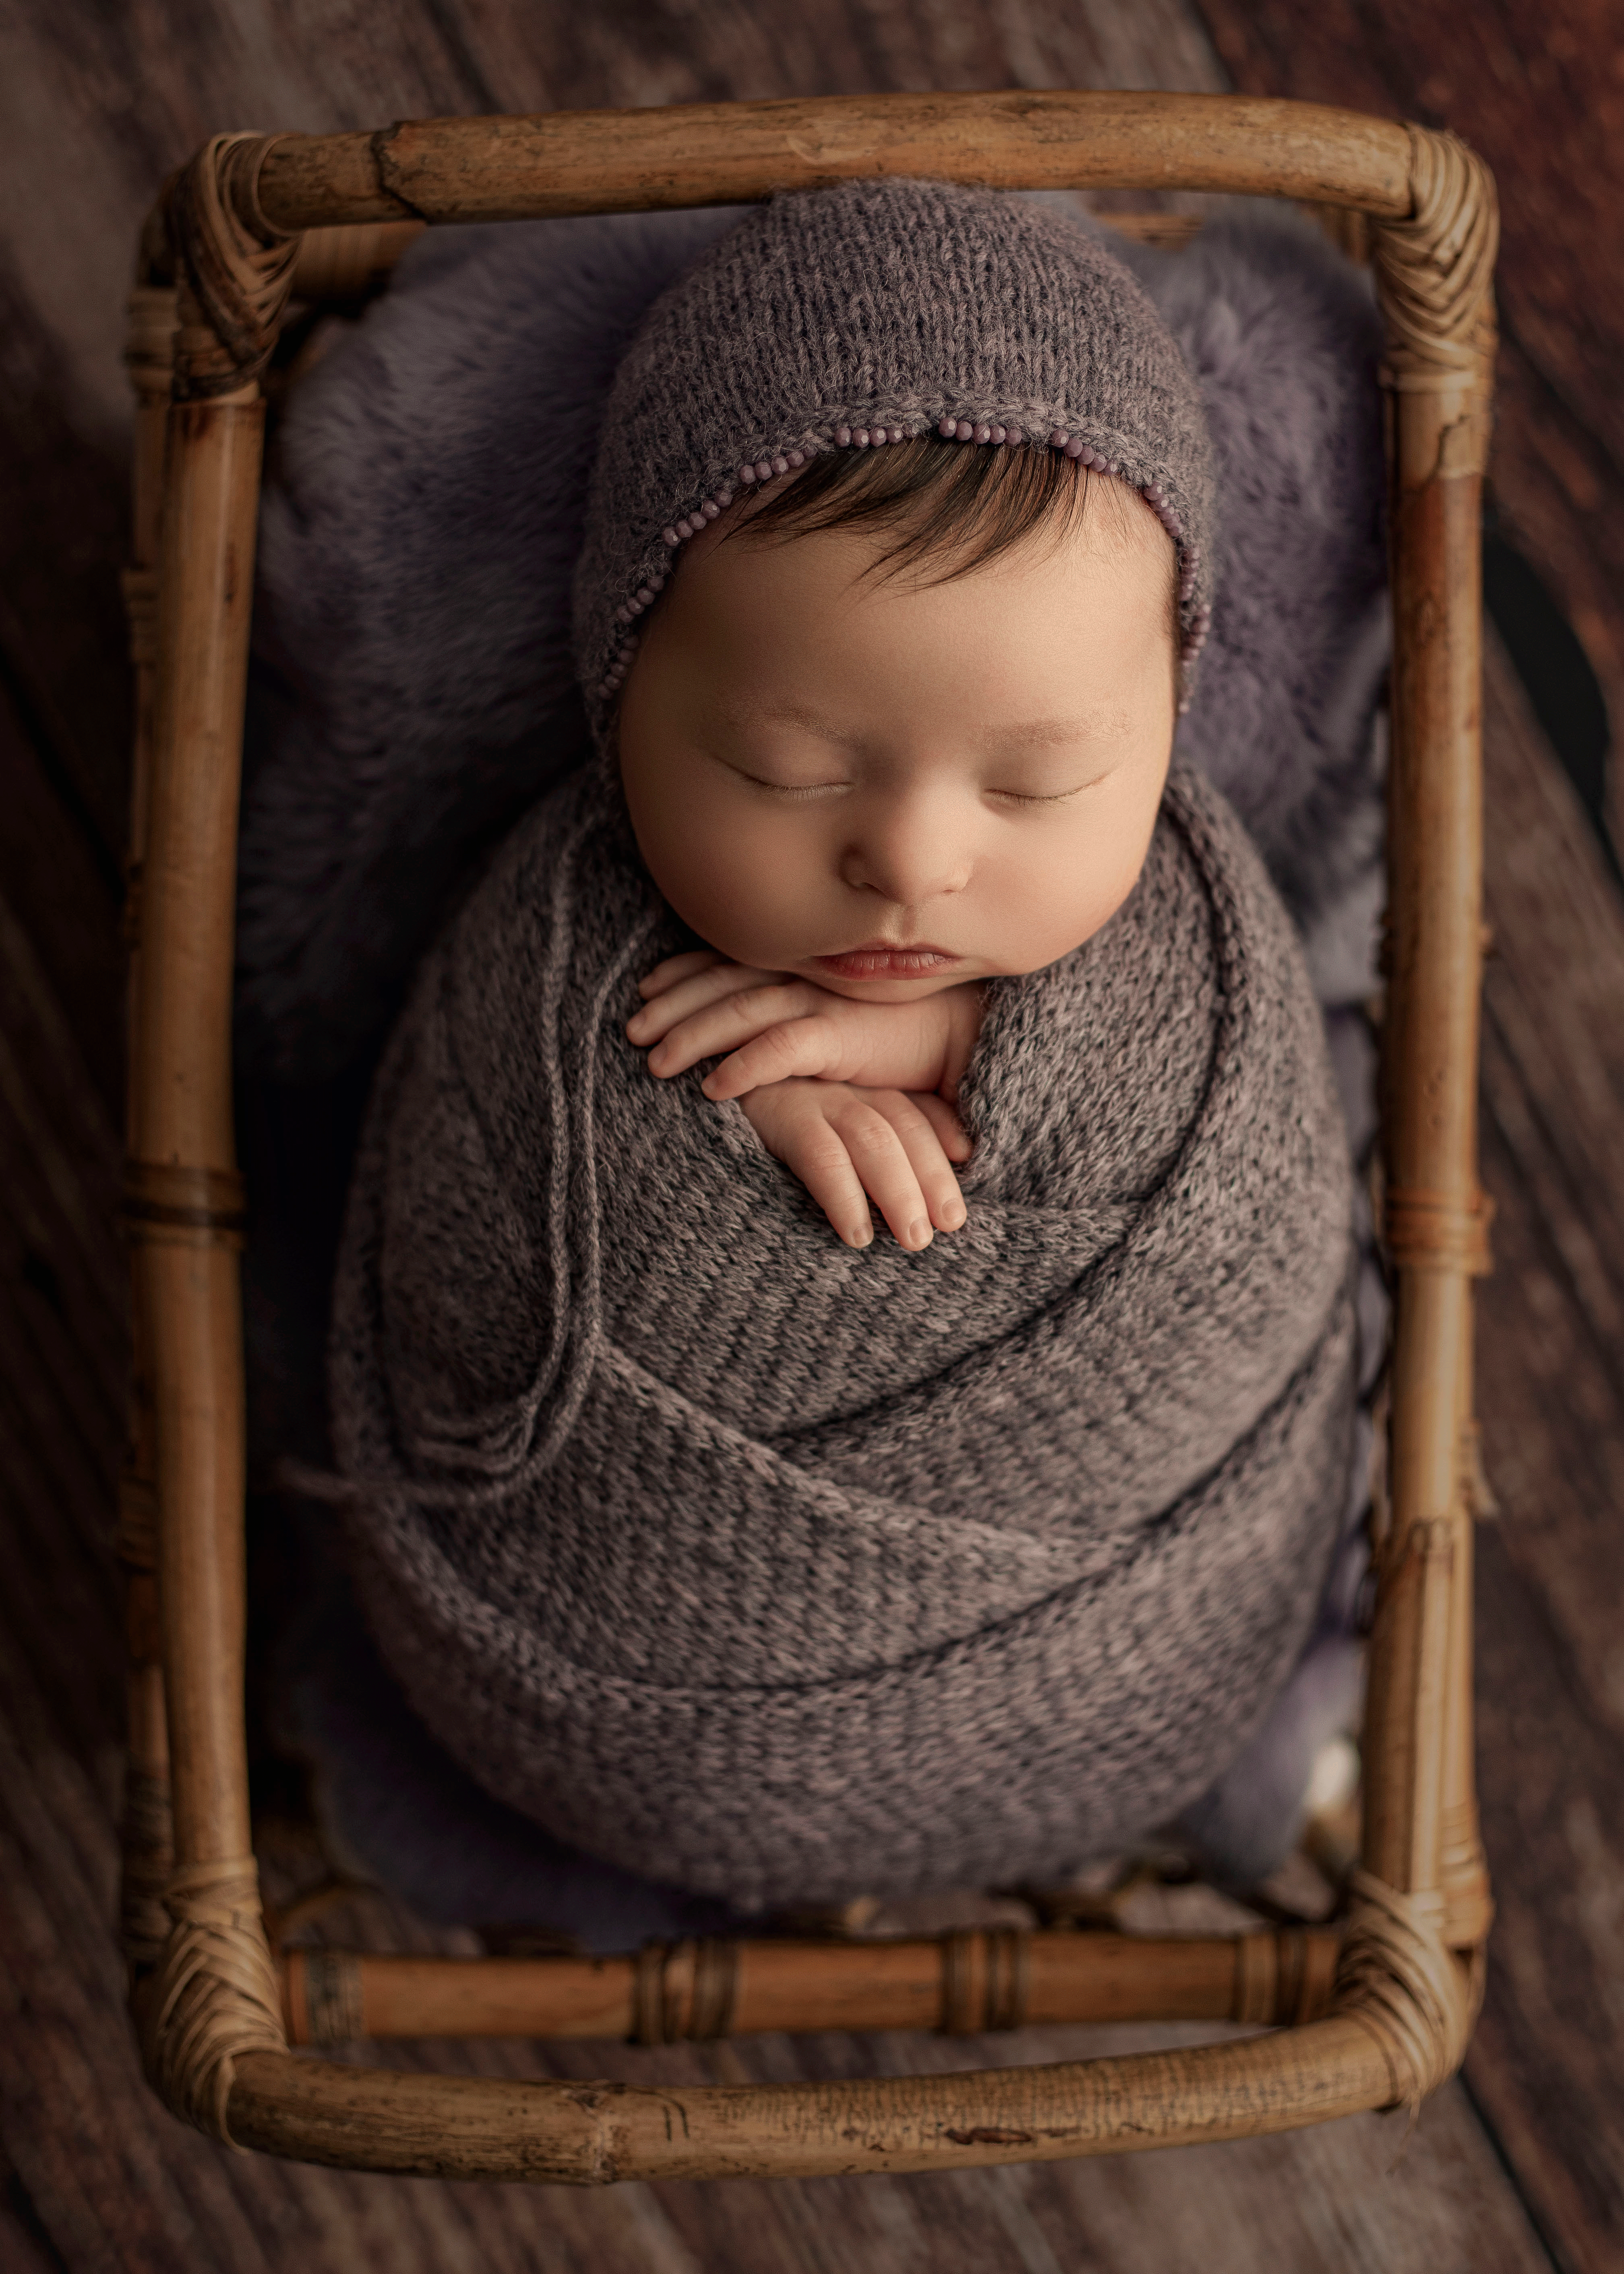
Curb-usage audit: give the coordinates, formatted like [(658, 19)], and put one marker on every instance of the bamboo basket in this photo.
[(1374, 2015)]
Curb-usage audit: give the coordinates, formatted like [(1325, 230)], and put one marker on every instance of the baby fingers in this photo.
[(696, 1028), (676, 968), (849, 1146), (696, 997), (950, 1131), (875, 1146), (795, 1047), (919, 1195)]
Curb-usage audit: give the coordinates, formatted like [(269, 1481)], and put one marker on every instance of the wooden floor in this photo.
[(1521, 2166)]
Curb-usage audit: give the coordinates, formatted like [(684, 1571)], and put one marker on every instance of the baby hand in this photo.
[(843, 1143), (775, 1028)]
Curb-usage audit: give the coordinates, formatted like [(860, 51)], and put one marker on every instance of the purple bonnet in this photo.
[(867, 314)]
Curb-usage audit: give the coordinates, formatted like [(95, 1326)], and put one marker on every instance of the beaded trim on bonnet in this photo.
[(868, 314)]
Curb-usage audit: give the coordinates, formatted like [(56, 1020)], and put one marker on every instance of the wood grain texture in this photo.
[(1537, 87), (515, 168), (62, 535), (771, 1985), (1420, 1824), (96, 2167), (1548, 2064)]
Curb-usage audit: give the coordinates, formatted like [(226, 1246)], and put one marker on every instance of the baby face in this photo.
[(890, 786)]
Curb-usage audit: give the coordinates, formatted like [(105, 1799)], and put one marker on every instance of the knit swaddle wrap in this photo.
[(784, 1571)]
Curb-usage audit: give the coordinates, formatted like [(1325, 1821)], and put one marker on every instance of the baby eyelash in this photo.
[(952, 428), (794, 789)]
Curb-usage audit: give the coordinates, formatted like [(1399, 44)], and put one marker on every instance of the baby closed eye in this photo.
[(796, 789), (793, 792), (1034, 796)]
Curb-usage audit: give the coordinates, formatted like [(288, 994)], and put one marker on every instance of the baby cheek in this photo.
[(1075, 883), (746, 885)]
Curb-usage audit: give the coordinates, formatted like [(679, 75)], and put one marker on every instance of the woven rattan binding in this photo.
[(215, 1995), (1410, 1974), (684, 1989), (1435, 269), (1399, 1979), (240, 268)]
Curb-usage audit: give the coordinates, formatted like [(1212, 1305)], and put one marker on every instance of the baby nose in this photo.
[(908, 863)]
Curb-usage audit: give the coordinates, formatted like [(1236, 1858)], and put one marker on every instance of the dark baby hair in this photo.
[(947, 509)]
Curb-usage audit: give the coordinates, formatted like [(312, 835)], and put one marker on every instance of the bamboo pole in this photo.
[(212, 1990), (462, 170), (591, 2135), (1434, 272), (964, 1984), (183, 1168), (1463, 1872)]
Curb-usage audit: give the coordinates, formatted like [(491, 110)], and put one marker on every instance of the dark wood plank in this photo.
[(1548, 2064), (63, 517), (68, 1251), (1535, 86), (107, 2177), (64, 902)]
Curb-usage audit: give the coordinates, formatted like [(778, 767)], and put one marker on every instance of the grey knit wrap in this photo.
[(784, 1571), (867, 314)]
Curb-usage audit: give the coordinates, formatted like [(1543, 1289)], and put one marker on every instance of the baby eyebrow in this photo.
[(791, 714), (1036, 733), (1047, 734)]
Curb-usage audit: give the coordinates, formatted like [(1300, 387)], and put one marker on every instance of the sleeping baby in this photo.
[(758, 1550)]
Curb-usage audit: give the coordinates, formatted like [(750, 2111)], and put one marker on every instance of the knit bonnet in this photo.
[(865, 315)]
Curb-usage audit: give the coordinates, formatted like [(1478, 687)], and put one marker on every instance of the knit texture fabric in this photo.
[(782, 1572), (867, 314)]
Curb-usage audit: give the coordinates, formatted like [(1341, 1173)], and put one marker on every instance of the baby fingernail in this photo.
[(953, 1216), (919, 1232), (859, 1235)]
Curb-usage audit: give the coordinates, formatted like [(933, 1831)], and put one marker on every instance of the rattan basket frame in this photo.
[(1375, 2016)]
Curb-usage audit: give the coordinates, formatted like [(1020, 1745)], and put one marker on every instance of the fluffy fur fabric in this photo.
[(777, 1572), (413, 687), (1283, 338)]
